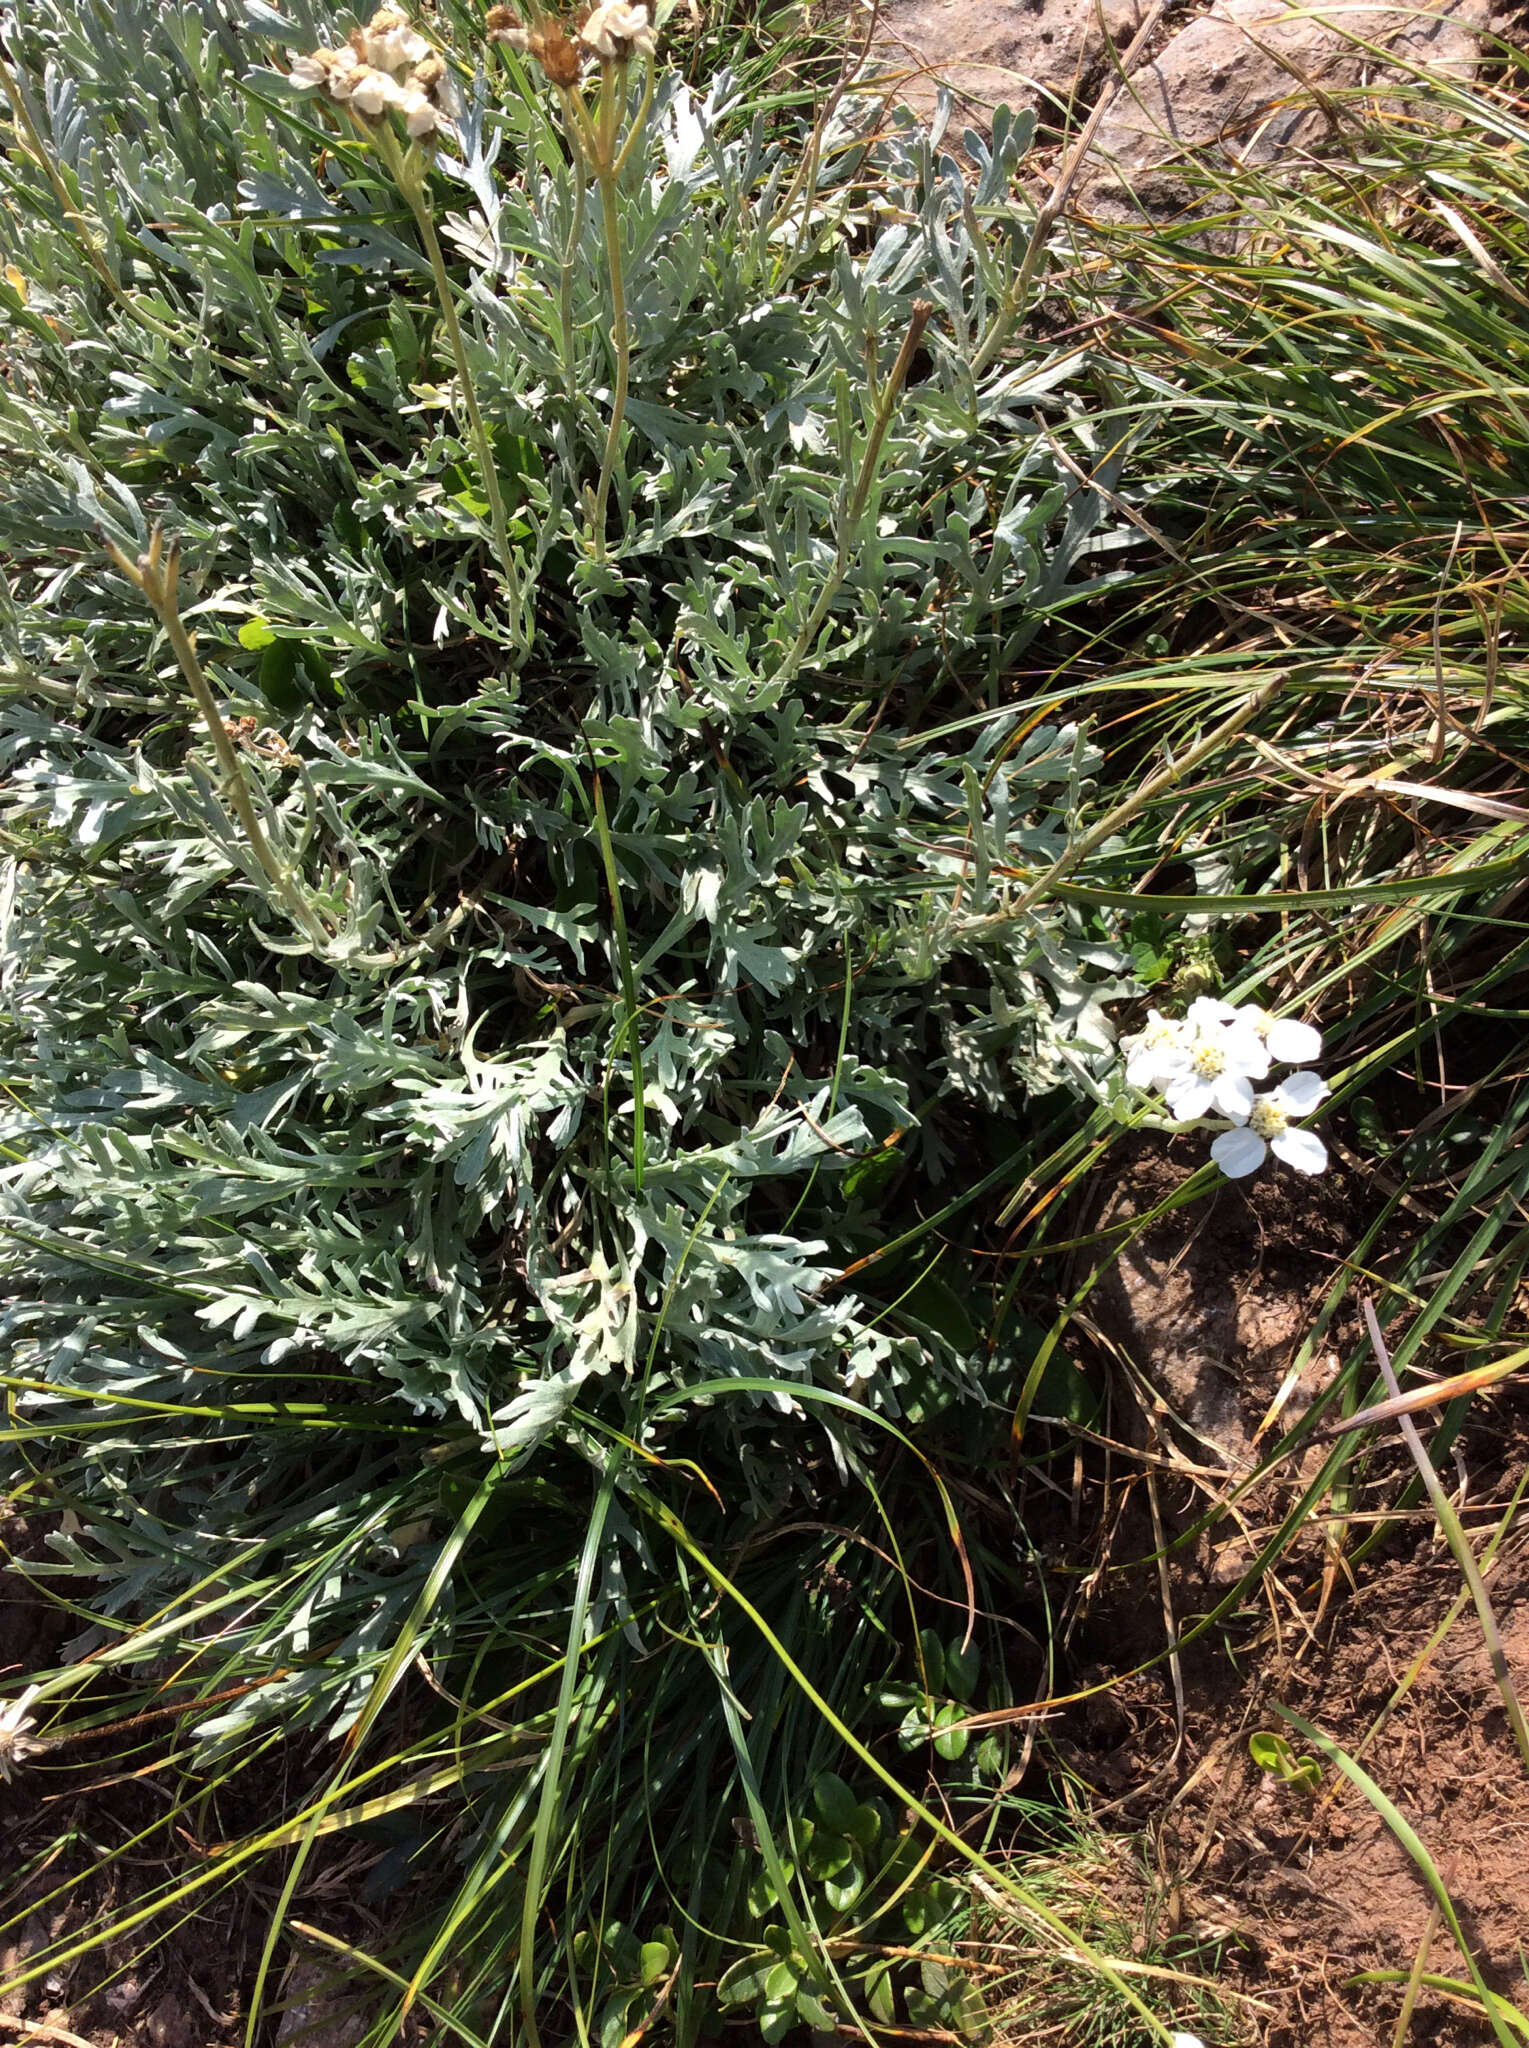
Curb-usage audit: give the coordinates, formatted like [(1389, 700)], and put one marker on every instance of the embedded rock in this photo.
[(1041, 54), (1254, 80)]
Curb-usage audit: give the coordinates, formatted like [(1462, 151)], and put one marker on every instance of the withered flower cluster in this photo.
[(611, 33), (385, 68)]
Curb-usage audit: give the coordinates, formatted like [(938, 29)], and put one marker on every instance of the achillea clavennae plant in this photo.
[(493, 1079), (1206, 1062)]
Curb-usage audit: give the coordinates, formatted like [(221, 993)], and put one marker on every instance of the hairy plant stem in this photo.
[(405, 164), (565, 281), (157, 574), (594, 144), (885, 403), (621, 344)]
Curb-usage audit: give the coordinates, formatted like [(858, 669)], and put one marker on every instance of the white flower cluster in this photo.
[(16, 1724), (385, 68), (1207, 1063), (618, 29)]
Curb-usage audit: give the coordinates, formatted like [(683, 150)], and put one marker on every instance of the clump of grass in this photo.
[(1319, 438), (1100, 1885)]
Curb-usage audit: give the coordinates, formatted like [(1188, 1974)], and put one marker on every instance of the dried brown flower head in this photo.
[(504, 25), (557, 56), (609, 33)]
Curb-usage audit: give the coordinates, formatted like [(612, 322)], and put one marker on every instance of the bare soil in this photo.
[(1308, 1892)]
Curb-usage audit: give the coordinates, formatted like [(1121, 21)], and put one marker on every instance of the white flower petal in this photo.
[(1239, 1153), (1303, 1150), (1210, 1010), (1299, 1094), (1233, 1097), (375, 93), (394, 48), (1293, 1042), (1245, 1052), (306, 71), (420, 117), (1189, 1097)]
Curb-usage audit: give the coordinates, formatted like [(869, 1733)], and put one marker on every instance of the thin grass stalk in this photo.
[(398, 1657), (1017, 297), (1413, 1843), (552, 1780), (1135, 803), (1021, 1894), (1455, 1535)]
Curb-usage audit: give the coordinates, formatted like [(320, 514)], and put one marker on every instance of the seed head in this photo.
[(556, 55), (504, 25)]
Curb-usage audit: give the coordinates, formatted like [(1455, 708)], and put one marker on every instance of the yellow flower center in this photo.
[(1208, 1059), (1267, 1119)]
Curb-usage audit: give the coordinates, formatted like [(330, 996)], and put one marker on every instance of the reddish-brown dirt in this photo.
[(1305, 1892)]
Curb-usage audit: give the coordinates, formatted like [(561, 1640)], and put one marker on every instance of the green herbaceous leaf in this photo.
[(835, 1804)]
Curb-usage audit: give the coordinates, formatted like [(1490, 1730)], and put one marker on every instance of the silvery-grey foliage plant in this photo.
[(518, 792)]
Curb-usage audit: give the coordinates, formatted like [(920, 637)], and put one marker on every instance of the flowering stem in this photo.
[(870, 460), (621, 342), (406, 173), (639, 123), (565, 282), (157, 575)]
